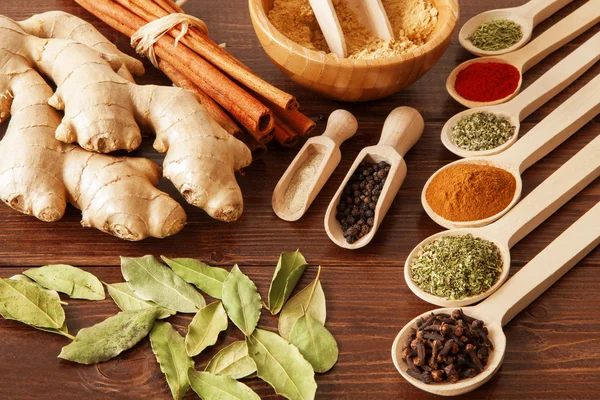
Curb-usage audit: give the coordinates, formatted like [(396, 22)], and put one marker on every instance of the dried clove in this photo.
[(447, 348)]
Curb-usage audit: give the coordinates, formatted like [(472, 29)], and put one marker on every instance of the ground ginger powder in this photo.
[(412, 22)]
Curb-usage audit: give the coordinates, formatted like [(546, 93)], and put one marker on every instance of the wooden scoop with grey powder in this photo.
[(312, 167)]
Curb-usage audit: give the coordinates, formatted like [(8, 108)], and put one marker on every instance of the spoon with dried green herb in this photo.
[(490, 130), (468, 345), (501, 31)]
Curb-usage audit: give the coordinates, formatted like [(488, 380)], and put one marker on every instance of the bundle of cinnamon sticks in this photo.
[(242, 103)]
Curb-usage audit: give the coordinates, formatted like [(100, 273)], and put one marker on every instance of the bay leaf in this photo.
[(242, 301), (204, 277), (310, 299), (290, 268), (72, 281), (127, 300), (282, 366), (28, 303), (219, 387), (233, 361), (169, 348), (110, 337), (151, 280), (204, 329), (315, 342), (63, 330), (53, 293)]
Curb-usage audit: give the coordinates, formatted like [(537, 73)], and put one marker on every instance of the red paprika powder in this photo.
[(487, 81)]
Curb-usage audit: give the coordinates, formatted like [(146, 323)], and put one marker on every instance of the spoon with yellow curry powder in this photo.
[(494, 313), (477, 191), (474, 262)]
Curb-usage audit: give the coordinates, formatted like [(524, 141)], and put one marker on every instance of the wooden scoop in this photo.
[(500, 308), (534, 209), (552, 39), (565, 120), (539, 92), (401, 130), (529, 15), (341, 126), (369, 12)]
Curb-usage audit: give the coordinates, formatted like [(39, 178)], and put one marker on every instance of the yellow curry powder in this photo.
[(412, 22)]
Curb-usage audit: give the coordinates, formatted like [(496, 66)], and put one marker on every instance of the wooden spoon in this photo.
[(499, 309), (341, 126), (542, 202), (372, 14), (330, 26), (552, 39), (529, 15), (401, 130), (539, 92), (559, 125)]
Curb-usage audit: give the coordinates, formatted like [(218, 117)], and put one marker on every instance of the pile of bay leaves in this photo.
[(154, 291)]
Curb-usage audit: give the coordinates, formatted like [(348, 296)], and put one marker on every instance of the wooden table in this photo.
[(553, 346)]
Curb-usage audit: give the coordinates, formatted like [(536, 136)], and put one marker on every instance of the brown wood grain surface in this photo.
[(553, 347)]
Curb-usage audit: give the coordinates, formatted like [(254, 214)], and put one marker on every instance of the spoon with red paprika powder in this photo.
[(520, 107), (527, 16), (581, 170), (539, 274), (475, 192), (487, 81)]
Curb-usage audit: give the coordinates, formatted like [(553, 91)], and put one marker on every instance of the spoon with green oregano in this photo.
[(481, 326), (504, 30), (484, 131)]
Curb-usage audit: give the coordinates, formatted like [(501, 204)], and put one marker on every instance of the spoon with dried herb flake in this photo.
[(482, 324), (501, 31), (490, 130)]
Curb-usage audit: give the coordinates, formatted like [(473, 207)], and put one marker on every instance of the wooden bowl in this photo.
[(350, 79)]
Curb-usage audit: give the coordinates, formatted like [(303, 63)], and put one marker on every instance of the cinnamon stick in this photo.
[(293, 118), (215, 111), (284, 135), (247, 110), (220, 58)]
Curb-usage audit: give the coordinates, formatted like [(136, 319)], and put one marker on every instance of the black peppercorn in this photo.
[(356, 209)]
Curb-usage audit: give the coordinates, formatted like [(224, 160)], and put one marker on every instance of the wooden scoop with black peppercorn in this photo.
[(365, 195), (456, 351)]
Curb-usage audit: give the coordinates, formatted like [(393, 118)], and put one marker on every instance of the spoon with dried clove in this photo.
[(488, 317), (518, 62), (401, 130), (430, 276), (527, 17), (312, 167), (475, 132)]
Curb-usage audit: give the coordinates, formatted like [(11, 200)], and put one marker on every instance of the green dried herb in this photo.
[(482, 131), (455, 267), (497, 34)]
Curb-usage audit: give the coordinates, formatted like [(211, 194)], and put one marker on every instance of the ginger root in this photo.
[(39, 174), (104, 110)]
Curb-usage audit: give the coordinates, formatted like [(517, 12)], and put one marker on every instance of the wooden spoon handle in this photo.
[(549, 196), (330, 26), (378, 19), (539, 10), (561, 123), (555, 80), (545, 269), (402, 129), (341, 125), (555, 37)]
